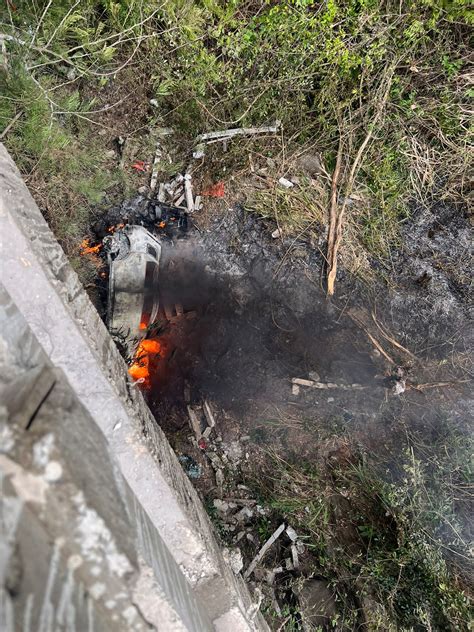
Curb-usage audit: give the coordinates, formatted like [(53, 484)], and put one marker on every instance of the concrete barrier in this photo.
[(104, 530)]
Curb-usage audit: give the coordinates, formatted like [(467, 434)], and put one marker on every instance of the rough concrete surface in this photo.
[(99, 524)]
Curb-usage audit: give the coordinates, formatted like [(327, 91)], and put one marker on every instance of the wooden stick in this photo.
[(392, 340), (10, 125), (333, 246), (333, 215)]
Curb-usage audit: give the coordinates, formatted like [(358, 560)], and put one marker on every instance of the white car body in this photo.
[(134, 256)]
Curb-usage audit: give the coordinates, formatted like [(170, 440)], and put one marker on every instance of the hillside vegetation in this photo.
[(333, 72), (380, 92)]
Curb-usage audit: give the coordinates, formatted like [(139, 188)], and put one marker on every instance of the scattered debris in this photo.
[(219, 478), (192, 469), (291, 533), (197, 203), (199, 151), (234, 558), (323, 385), (295, 389), (244, 514), (263, 550), (194, 422), (216, 190), (294, 556), (155, 169), (252, 611), (140, 165), (202, 444), (188, 192), (285, 183), (238, 131), (161, 197), (223, 506), (208, 414), (399, 381)]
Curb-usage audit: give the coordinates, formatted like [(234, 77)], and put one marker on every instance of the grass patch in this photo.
[(396, 548), (317, 67)]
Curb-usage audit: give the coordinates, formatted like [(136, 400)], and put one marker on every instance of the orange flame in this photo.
[(140, 369), (112, 229), (85, 247)]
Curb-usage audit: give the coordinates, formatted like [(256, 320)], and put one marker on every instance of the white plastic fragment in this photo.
[(285, 183)]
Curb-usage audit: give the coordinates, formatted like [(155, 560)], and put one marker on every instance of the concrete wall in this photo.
[(99, 522)]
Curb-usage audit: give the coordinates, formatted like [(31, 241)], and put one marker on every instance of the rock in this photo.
[(314, 375), (219, 478), (317, 604), (234, 558), (233, 451), (221, 505), (244, 514), (310, 164)]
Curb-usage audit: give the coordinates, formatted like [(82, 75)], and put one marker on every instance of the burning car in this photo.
[(133, 255)]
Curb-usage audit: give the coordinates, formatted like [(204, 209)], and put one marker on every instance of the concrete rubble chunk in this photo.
[(234, 558)]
